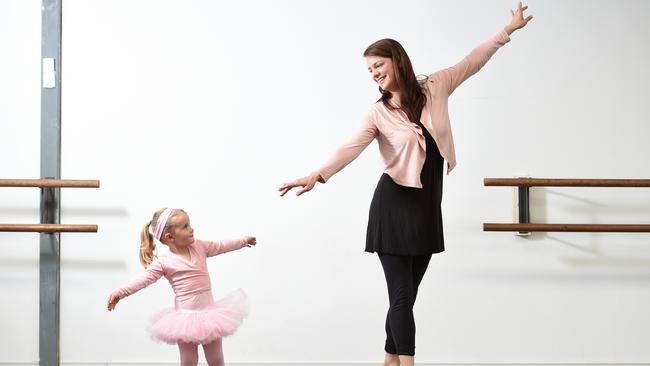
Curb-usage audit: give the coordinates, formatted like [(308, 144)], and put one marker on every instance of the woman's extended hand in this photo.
[(518, 21), (307, 183)]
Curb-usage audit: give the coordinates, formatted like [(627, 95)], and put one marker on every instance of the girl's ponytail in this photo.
[(147, 245)]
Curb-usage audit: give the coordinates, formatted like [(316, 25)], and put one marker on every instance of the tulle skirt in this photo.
[(199, 320)]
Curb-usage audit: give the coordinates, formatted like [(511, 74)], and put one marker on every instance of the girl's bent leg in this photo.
[(189, 354), (214, 353)]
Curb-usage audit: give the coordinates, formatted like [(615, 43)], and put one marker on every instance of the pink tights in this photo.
[(190, 353)]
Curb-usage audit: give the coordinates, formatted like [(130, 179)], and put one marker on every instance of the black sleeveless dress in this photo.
[(406, 220)]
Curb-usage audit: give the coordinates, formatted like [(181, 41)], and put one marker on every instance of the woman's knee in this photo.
[(403, 298)]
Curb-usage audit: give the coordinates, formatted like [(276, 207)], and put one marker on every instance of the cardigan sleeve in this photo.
[(453, 76), (349, 151)]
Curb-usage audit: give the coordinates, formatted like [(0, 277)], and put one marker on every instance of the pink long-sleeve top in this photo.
[(401, 143), (187, 278)]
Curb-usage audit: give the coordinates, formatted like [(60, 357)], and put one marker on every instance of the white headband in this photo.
[(160, 223)]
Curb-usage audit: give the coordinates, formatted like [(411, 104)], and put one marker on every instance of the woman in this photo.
[(411, 124)]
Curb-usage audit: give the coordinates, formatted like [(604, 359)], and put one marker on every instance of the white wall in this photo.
[(210, 106)]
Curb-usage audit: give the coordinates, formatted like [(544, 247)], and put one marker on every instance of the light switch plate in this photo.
[(49, 73)]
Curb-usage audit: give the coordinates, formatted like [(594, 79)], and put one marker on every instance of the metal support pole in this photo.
[(524, 205), (523, 202), (50, 245)]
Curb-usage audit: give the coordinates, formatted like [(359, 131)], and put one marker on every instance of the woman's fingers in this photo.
[(307, 186), (305, 189), (518, 19), (307, 183), (286, 187), (520, 10)]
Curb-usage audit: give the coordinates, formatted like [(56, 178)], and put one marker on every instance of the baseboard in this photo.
[(4, 363)]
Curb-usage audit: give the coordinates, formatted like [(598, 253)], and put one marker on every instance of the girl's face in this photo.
[(181, 232), (383, 72)]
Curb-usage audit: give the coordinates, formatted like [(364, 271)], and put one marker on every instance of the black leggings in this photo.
[(403, 276)]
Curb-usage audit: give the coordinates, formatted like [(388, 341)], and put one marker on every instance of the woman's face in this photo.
[(382, 71)]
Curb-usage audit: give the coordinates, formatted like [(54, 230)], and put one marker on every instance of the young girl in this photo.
[(196, 318)]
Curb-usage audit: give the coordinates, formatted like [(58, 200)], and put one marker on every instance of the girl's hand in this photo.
[(307, 183), (518, 21), (250, 241), (113, 298)]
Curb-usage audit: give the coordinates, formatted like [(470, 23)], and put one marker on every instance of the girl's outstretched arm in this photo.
[(146, 278), (213, 248)]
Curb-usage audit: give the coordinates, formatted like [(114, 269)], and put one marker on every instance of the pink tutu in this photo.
[(200, 320)]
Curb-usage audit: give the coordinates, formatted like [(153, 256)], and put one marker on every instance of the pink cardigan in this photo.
[(401, 143), (188, 278)]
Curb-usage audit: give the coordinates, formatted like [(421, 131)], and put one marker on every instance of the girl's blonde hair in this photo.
[(147, 244)]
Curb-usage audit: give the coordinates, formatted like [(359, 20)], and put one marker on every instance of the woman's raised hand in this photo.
[(307, 183), (518, 21)]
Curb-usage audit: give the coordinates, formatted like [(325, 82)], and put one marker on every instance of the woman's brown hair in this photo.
[(413, 98)]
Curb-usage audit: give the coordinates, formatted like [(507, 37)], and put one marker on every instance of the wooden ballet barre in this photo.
[(48, 186), (603, 228), (525, 227), (566, 182), (48, 228), (49, 183)]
